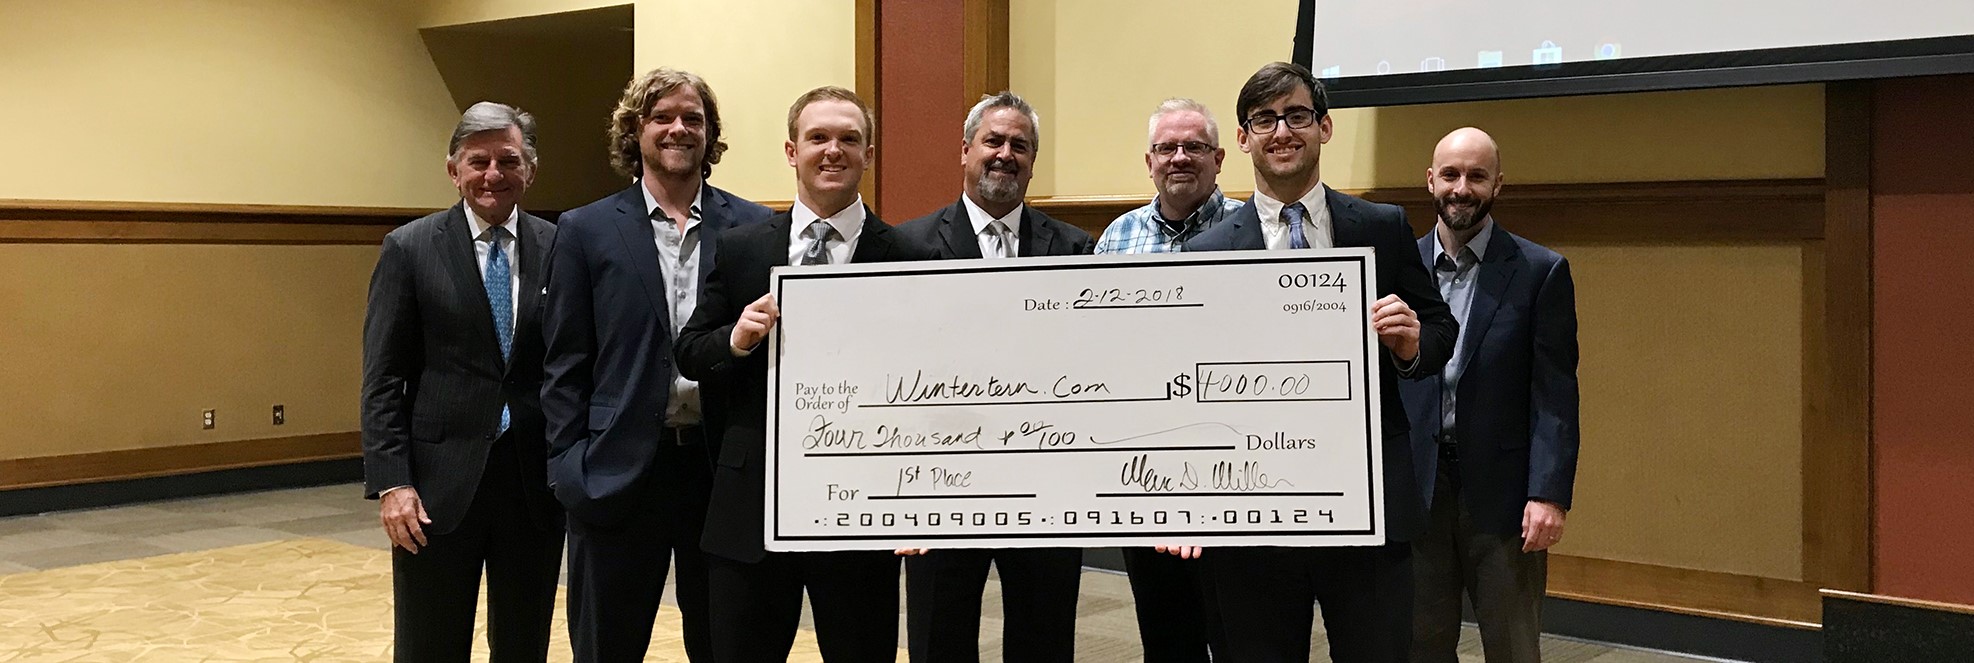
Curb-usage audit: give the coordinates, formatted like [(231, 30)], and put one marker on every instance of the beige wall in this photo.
[(121, 346), (233, 101), (758, 55), (1094, 97), (438, 13)]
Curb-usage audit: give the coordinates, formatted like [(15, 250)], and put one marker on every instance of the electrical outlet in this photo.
[(280, 417), (209, 419)]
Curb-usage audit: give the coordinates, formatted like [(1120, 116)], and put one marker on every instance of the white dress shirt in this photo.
[(1011, 222), (1315, 225), (483, 243), (849, 223)]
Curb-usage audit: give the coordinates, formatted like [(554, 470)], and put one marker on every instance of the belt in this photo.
[(1449, 447), (687, 435)]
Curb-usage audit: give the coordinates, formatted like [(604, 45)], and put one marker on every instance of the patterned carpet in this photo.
[(304, 575)]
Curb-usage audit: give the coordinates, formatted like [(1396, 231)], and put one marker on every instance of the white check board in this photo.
[(1185, 399)]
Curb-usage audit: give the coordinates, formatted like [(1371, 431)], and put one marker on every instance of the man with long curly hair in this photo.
[(628, 457)]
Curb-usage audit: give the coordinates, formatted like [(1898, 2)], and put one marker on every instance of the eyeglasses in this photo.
[(1296, 118), (1193, 149)]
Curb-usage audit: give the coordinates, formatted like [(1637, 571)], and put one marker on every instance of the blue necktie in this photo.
[(1292, 215), (500, 297)]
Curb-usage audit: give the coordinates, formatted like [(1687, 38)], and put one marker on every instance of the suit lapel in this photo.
[(455, 240), (1346, 222), (874, 241), (713, 219), (1246, 230), (1496, 272), (1036, 237), (957, 230), (532, 248), (634, 226)]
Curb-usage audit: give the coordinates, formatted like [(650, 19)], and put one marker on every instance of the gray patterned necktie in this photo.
[(818, 251), (997, 240)]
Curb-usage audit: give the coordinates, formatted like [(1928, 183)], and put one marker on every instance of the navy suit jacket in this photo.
[(608, 370), (1515, 413), (1358, 222), (734, 527)]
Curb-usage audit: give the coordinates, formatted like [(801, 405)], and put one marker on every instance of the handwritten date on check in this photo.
[(1210, 399)]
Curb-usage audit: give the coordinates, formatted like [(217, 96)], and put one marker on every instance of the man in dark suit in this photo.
[(1038, 585), (1494, 438), (1266, 593), (757, 595), (452, 424), (628, 453)]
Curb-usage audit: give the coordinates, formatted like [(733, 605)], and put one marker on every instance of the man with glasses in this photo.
[(1177, 621), (1184, 159), (1266, 594)]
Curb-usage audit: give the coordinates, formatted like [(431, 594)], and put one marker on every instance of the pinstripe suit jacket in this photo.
[(433, 378)]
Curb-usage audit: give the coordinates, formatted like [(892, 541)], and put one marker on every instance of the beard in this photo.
[(1462, 220), (1003, 189), (666, 162)]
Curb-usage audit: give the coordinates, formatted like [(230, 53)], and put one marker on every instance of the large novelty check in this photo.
[(1198, 399)]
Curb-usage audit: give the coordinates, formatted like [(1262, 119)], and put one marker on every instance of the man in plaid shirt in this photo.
[(1184, 158), (1177, 621)]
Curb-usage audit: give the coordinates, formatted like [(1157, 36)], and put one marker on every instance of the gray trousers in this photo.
[(1453, 559)]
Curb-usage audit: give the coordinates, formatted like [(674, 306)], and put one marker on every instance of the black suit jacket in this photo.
[(733, 520), (433, 378), (1516, 407), (608, 372), (949, 234), (1358, 222)]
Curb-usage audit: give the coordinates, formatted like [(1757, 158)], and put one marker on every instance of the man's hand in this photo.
[(1184, 552), (908, 552), (759, 318), (404, 517), (1542, 525), (1397, 326)]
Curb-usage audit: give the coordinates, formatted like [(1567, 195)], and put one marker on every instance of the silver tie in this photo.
[(997, 240), (818, 251)]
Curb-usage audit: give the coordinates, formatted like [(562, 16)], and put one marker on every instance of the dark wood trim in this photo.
[(869, 48), (126, 464), (1768, 601), (1630, 212), (192, 223), (1901, 601), (1837, 320), (983, 49)]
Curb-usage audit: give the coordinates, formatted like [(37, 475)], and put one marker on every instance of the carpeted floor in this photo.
[(304, 575)]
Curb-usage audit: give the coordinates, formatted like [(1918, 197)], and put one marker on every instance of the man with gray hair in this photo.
[(1001, 137), (1177, 620), (452, 419), (1184, 156)]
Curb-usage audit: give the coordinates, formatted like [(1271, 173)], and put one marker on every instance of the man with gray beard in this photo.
[(1038, 585)]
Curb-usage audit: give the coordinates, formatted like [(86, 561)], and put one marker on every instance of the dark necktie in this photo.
[(1293, 216)]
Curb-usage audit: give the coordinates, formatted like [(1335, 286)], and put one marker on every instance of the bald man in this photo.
[(1495, 434)]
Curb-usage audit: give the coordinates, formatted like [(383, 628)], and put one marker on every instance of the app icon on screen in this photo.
[(1609, 51), (1332, 71), (1490, 59), (1548, 53)]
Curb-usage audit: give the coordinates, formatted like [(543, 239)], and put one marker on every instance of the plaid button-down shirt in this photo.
[(1142, 230)]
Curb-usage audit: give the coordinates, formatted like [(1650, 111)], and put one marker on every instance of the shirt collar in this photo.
[(1207, 209), (1478, 244), (848, 221), (698, 200), (480, 226), (980, 218), (1315, 202)]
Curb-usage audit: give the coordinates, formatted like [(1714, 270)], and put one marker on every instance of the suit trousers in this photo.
[(617, 573), (438, 589), (1178, 621), (853, 597), (1506, 585), (1268, 595), (1038, 603)]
